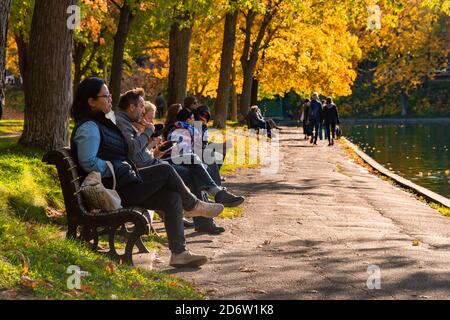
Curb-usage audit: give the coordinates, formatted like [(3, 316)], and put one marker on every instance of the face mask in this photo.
[(111, 116)]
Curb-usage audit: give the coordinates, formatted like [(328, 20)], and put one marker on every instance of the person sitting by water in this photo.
[(96, 139), (330, 119)]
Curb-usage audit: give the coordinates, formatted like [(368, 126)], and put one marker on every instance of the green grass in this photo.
[(15, 99), (231, 163), (10, 127), (33, 245)]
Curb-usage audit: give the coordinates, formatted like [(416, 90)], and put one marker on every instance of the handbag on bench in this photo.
[(97, 196)]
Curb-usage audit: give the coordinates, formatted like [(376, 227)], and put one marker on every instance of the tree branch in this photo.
[(116, 4)]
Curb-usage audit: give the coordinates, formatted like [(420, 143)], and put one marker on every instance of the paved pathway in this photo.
[(313, 230)]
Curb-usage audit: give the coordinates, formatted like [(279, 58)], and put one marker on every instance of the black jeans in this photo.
[(162, 189), (314, 129), (264, 125), (330, 130)]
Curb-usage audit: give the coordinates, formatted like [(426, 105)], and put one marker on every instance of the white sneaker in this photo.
[(187, 259), (205, 209)]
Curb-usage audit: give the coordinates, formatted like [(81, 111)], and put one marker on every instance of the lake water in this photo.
[(417, 152)]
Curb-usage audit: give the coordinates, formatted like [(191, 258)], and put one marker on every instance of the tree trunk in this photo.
[(404, 103), (254, 97), (24, 66), (223, 91), (4, 13), (249, 56), (120, 40), (78, 52), (234, 102), (179, 42), (47, 117), (245, 101)]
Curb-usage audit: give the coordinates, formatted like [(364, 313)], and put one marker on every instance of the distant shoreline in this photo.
[(443, 120)]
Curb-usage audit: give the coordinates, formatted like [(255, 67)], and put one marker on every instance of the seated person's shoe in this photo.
[(210, 229), (205, 209), (188, 224), (228, 199), (187, 259)]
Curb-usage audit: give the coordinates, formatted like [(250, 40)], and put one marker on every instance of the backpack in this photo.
[(314, 110)]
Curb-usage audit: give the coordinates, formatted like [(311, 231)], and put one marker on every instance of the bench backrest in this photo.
[(70, 179)]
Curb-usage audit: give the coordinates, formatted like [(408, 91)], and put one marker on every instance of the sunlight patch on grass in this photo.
[(34, 254), (8, 127)]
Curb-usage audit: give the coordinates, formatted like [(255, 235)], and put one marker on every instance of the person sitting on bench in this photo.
[(257, 121), (96, 139), (131, 110)]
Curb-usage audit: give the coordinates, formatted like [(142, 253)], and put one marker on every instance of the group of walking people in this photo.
[(317, 115), (146, 173)]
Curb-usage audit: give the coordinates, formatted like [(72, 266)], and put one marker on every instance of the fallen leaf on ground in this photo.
[(258, 291), (53, 213), (415, 243), (158, 261), (45, 283), (72, 293), (173, 283), (110, 267), (28, 282), (87, 289), (212, 291), (248, 270)]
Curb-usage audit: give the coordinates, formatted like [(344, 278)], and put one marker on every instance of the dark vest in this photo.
[(113, 148)]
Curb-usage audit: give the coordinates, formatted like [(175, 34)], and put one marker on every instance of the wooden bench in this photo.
[(129, 223)]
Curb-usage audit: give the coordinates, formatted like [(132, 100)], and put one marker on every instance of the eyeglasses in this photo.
[(107, 96)]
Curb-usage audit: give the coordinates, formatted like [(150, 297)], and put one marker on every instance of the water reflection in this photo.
[(418, 152)]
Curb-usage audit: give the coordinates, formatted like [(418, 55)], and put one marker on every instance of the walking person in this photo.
[(315, 117), (330, 120), (160, 103), (305, 117)]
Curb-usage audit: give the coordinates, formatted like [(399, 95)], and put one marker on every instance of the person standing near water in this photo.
[(305, 118), (330, 120), (315, 117)]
